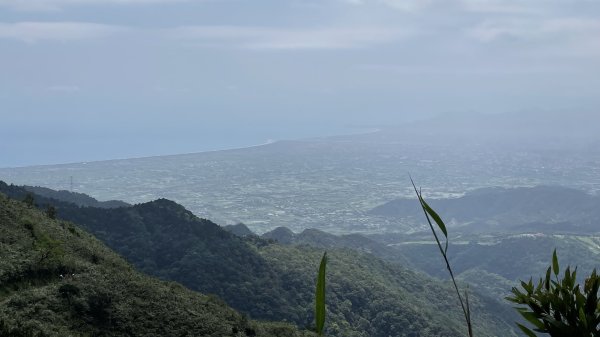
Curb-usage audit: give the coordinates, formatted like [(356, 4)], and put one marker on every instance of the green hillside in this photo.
[(366, 296), (495, 263), (57, 280)]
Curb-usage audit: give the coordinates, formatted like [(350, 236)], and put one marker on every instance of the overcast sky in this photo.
[(97, 79)]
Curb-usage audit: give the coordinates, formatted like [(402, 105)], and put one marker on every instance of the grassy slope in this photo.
[(107, 297)]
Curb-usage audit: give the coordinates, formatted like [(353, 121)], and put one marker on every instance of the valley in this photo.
[(272, 281), (368, 296), (249, 225), (330, 184)]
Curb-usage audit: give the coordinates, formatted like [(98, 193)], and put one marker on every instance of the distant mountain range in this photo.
[(367, 296), (549, 209), (525, 130)]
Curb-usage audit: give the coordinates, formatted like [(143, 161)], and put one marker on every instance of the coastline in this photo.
[(235, 148)]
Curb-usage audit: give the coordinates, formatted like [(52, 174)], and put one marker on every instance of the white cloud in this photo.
[(466, 69), (572, 25), (284, 38), (501, 6), (403, 5), (246, 37), (491, 30), (474, 6), (408, 5), (62, 31), (62, 88), (556, 28), (53, 5)]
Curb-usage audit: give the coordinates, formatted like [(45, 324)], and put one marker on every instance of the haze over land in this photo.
[(333, 183)]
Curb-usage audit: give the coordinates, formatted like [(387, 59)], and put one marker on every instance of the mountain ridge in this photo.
[(57, 280), (509, 209), (275, 282)]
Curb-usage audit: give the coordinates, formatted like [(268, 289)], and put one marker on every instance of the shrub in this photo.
[(100, 308), (558, 306), (29, 200), (68, 291), (50, 250), (51, 212)]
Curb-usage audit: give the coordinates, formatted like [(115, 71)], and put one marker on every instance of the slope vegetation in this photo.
[(57, 280), (366, 296)]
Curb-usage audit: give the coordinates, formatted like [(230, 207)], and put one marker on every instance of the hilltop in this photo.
[(76, 198), (239, 230), (320, 239)]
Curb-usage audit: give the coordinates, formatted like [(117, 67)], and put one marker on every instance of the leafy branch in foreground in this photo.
[(431, 214), (558, 307), (320, 297)]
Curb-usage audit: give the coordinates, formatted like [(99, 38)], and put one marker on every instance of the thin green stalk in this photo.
[(427, 211)]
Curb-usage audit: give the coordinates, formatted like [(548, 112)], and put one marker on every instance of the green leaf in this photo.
[(320, 297), (555, 266), (532, 318), (434, 216), (582, 317), (526, 330)]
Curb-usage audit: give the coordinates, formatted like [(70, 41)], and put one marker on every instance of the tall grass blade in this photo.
[(468, 316), (430, 213)]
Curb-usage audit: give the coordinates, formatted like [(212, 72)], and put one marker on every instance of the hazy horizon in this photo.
[(90, 79), (64, 151)]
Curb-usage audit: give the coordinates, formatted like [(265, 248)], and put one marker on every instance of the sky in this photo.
[(87, 80)]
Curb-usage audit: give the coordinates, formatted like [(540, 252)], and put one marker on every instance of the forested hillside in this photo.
[(366, 296), (494, 264), (58, 280), (320, 239)]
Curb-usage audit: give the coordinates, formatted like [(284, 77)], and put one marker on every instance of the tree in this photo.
[(68, 291), (28, 200), (50, 250), (51, 212), (558, 306)]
